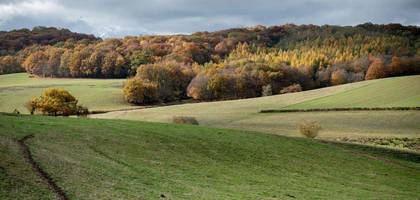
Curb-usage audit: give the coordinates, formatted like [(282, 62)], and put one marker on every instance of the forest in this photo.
[(227, 64)]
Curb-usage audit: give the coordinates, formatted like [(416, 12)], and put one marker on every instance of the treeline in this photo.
[(245, 74), (15, 40), (17, 45), (307, 45), (233, 63)]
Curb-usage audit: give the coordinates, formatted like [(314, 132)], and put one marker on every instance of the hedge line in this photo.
[(337, 109)]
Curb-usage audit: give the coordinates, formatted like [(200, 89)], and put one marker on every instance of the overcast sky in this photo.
[(115, 18)]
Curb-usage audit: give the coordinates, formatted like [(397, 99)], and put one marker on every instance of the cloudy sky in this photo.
[(115, 18)]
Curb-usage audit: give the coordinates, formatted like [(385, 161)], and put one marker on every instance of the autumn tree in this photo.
[(36, 62), (339, 77), (139, 58), (53, 63), (114, 65), (9, 64), (138, 91), (376, 70), (54, 101), (171, 77), (198, 87), (404, 66)]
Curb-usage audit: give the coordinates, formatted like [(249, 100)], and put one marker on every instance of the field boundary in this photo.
[(38, 170), (338, 109)]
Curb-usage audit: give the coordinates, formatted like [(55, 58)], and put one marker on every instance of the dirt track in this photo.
[(39, 171)]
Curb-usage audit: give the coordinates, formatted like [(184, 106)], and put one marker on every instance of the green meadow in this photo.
[(116, 159)]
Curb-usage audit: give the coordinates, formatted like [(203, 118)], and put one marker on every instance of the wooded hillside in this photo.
[(227, 64)]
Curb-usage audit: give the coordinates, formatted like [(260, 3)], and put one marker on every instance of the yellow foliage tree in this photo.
[(55, 101), (138, 91)]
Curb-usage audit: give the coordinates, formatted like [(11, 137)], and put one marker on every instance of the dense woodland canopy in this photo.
[(227, 64), (13, 41), (17, 45)]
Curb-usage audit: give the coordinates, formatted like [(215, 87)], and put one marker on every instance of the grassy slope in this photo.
[(109, 159), (17, 180), (96, 94), (391, 92), (243, 114)]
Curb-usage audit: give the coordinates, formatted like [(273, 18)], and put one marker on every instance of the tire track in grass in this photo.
[(45, 177)]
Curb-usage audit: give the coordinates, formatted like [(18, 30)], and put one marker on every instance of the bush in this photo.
[(291, 89), (56, 102), (309, 129), (185, 120)]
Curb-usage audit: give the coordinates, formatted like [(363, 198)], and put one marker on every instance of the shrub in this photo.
[(309, 129), (291, 89), (55, 102), (185, 120)]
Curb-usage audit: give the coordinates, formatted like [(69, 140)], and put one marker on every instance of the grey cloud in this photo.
[(133, 17)]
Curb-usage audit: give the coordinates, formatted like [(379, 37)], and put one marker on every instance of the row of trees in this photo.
[(15, 40), (17, 45), (245, 74), (77, 62)]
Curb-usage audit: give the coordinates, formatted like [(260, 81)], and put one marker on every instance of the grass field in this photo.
[(115, 159), (244, 114), (96, 94), (390, 92)]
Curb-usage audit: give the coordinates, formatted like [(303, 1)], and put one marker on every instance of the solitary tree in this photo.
[(54, 101)]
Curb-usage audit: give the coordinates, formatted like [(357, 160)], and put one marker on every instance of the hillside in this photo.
[(15, 40), (244, 114), (391, 92), (113, 159), (96, 94)]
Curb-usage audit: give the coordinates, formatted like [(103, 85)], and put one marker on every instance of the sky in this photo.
[(118, 18)]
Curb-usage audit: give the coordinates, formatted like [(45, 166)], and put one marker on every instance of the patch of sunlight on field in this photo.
[(96, 94), (244, 114)]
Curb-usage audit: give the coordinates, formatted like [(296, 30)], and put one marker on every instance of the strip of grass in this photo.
[(112, 159), (389, 92), (337, 109)]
